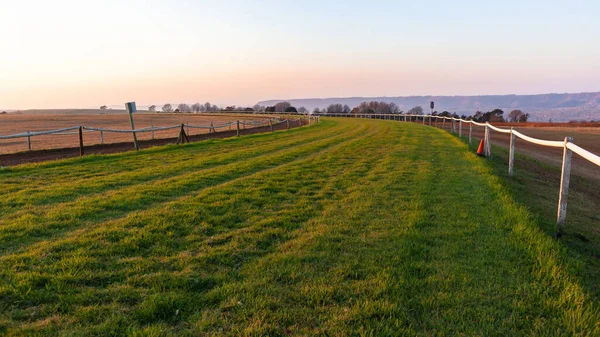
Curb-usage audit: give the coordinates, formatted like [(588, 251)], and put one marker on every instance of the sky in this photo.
[(83, 54)]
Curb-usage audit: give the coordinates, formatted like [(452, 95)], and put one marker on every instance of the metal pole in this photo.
[(511, 154), (564, 188)]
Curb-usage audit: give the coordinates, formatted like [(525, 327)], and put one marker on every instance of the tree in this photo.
[(517, 116), (270, 109), (496, 115), (302, 110), (207, 107), (291, 109), (196, 107), (167, 108), (152, 108), (418, 110), (335, 108), (184, 108), (256, 108), (104, 107), (281, 106), (316, 110)]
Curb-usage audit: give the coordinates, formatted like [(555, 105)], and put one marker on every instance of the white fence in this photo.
[(567, 145)]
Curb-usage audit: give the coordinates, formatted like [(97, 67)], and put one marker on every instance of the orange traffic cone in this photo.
[(480, 151)]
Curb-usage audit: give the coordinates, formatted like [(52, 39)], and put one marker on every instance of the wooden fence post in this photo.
[(28, 141), (287, 122), (131, 109), (444, 123), (485, 140), (271, 124), (488, 144), (470, 132), (81, 141), (511, 154), (238, 128), (102, 136), (564, 188), (460, 128), (152, 128)]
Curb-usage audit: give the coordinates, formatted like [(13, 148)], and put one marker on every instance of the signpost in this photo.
[(130, 106)]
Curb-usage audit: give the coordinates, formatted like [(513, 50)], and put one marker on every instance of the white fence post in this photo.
[(564, 188), (486, 141), (511, 154), (470, 132)]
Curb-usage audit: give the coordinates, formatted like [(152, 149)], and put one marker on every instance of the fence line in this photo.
[(211, 127), (568, 148)]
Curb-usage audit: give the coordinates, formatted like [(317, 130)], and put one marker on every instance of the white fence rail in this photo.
[(568, 148)]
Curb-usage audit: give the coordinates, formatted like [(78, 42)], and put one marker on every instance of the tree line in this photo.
[(372, 107)]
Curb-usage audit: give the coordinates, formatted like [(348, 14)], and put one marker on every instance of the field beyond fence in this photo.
[(69, 141)]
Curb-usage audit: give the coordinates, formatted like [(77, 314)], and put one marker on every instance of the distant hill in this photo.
[(558, 107)]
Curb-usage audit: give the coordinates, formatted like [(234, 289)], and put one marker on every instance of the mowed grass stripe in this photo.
[(30, 197), (168, 159), (29, 227), (398, 232), (77, 244)]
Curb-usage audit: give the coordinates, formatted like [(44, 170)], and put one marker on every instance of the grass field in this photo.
[(348, 227)]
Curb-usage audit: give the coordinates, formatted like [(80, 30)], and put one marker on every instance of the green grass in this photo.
[(348, 227)]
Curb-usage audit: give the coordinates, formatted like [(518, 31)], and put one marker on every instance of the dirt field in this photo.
[(18, 123), (586, 137)]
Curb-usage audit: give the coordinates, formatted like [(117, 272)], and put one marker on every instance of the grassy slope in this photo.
[(347, 227)]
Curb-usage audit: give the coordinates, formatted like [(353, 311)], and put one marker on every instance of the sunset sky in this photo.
[(80, 54)]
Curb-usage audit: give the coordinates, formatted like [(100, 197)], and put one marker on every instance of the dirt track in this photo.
[(53, 154), (14, 123), (588, 138)]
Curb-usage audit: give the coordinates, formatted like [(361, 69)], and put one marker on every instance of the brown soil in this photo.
[(70, 152), (15, 123)]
